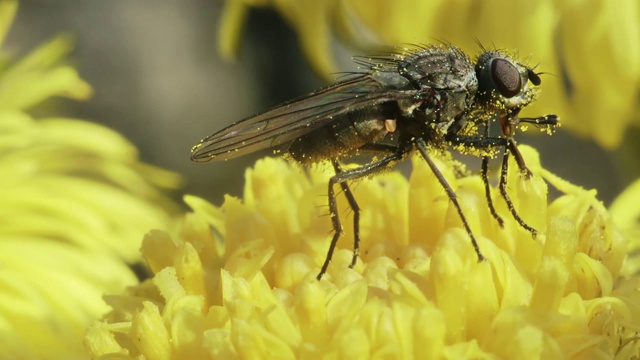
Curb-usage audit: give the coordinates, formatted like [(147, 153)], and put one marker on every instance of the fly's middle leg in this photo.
[(487, 187), (422, 148), (487, 191)]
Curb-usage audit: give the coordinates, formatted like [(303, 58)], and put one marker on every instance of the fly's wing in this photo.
[(295, 118)]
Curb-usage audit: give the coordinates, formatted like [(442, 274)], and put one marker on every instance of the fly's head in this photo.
[(504, 84)]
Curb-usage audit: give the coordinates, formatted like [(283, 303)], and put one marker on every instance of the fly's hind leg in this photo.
[(341, 177), (356, 213)]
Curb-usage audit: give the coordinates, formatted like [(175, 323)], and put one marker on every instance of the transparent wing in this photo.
[(295, 118)]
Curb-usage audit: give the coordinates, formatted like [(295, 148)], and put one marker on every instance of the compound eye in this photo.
[(506, 77)]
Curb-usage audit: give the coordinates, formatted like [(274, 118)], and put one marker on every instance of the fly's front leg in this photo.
[(549, 121), (341, 177), (503, 187), (509, 123), (509, 146)]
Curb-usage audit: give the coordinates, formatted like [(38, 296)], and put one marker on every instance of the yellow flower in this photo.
[(592, 47), (238, 281), (74, 204), (626, 212)]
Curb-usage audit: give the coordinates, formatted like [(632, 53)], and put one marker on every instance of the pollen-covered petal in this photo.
[(151, 337), (556, 265)]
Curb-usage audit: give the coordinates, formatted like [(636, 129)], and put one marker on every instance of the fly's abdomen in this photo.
[(340, 137)]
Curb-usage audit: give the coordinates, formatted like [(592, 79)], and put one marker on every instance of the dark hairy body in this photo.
[(429, 97)]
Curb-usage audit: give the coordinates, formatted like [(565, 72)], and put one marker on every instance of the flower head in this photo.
[(75, 202), (239, 280)]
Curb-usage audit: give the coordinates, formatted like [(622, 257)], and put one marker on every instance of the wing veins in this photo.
[(247, 135)]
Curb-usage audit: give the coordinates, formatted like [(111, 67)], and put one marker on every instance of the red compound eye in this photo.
[(506, 77)]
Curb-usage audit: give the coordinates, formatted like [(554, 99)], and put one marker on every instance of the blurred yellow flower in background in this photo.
[(590, 48), (238, 281), (75, 202)]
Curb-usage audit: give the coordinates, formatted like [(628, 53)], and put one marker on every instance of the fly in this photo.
[(430, 96)]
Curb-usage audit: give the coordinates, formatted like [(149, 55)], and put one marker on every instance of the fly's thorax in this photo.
[(446, 82), (438, 67), (389, 78), (503, 83)]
